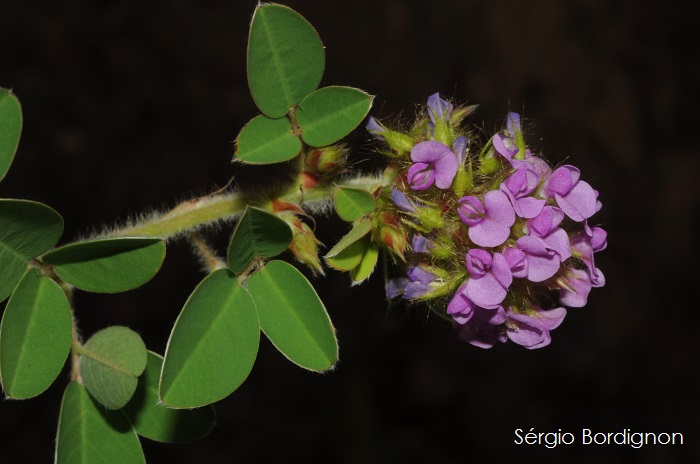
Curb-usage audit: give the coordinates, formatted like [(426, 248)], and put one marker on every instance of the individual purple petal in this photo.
[(401, 201), (374, 126), (395, 287), (478, 261), (517, 187), (562, 180), (460, 148), (534, 164), (445, 171), (471, 210), (517, 261), (421, 176), (580, 203), (542, 261), (429, 152), (489, 289), (437, 107), (545, 222), (576, 296), (599, 239), (460, 307), (532, 330), (558, 240), (437, 164), (513, 124), (418, 274), (420, 244), (416, 290), (419, 285), (504, 147), (483, 329), (494, 228)]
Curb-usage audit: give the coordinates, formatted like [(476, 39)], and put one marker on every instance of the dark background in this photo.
[(131, 105)]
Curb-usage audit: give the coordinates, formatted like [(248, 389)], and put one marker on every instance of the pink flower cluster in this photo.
[(523, 231)]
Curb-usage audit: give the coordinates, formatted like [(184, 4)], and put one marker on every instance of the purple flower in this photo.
[(582, 247), (421, 244), (461, 307), (374, 127), (575, 197), (489, 278), (434, 164), (518, 187), (484, 327), (517, 260), (395, 287), (542, 260), (419, 285), (578, 285), (401, 201), (532, 331), (460, 148), (438, 108), (489, 222), (506, 146), (545, 226)]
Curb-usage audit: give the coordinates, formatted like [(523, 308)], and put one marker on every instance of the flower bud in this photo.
[(326, 160), (391, 234), (304, 245)]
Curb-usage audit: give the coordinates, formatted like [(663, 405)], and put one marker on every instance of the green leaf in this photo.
[(353, 203), (10, 129), (35, 336), (266, 141), (285, 59), (27, 229), (359, 230), (348, 258), (213, 345), (293, 317), (108, 265), (110, 364), (367, 263), (157, 422), (258, 233), (329, 114), (88, 434)]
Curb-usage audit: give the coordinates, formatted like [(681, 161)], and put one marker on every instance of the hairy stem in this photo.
[(194, 214)]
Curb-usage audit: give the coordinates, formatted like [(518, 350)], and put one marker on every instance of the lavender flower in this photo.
[(484, 327), (575, 197), (532, 330), (518, 187), (438, 109), (489, 222), (489, 278), (434, 164)]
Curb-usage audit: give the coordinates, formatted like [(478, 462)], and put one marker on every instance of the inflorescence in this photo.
[(497, 237)]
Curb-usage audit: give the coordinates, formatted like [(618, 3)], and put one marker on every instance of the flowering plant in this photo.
[(493, 237)]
